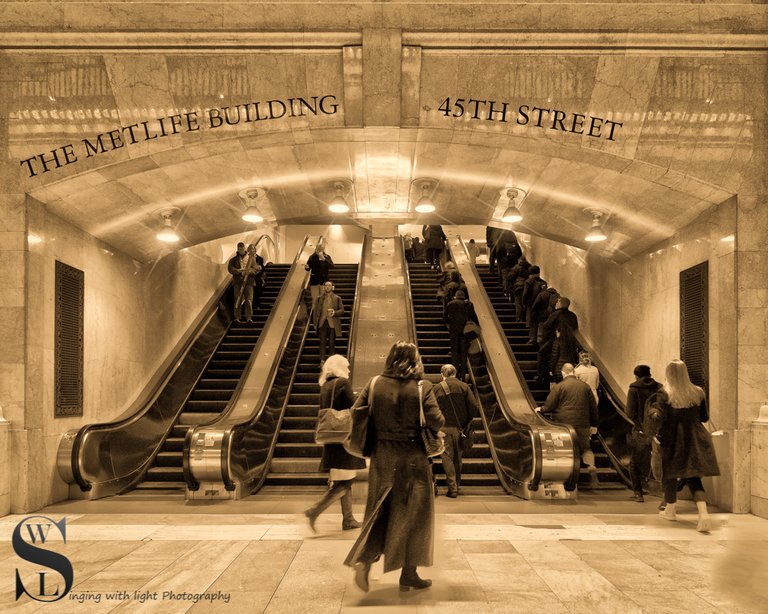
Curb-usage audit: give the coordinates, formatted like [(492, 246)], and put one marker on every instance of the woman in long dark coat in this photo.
[(336, 392), (687, 452), (400, 511)]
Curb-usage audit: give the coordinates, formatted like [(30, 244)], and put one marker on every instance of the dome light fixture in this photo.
[(339, 203), (512, 213), (596, 233), (251, 196), (168, 234), (424, 204)]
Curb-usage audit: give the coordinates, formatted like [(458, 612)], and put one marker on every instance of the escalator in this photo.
[(296, 457), (478, 470), (144, 444), (213, 391), (610, 473)]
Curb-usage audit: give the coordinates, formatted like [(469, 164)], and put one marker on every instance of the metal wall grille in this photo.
[(694, 323), (68, 349)]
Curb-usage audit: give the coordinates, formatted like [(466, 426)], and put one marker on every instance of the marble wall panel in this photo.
[(5, 461), (759, 464)]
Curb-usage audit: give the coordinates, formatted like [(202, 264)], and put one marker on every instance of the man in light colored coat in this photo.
[(326, 317)]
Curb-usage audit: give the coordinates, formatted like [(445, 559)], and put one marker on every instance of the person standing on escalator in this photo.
[(336, 393)]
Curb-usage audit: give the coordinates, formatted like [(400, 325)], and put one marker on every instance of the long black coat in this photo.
[(337, 393), (686, 445), (400, 510)]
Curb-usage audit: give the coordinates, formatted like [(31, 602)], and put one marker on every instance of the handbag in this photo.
[(471, 330), (474, 347), (333, 425), (638, 440), (362, 435), (434, 443), (467, 434)]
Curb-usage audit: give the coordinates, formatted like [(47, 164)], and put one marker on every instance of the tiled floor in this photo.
[(492, 554)]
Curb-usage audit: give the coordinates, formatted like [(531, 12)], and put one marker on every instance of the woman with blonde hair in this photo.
[(336, 392), (687, 453), (400, 510)]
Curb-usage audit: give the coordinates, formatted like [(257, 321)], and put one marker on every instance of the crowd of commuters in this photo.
[(399, 514)]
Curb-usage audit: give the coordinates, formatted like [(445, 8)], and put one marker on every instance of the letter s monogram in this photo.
[(40, 556)]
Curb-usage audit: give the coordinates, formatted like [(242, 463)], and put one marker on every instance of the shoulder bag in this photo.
[(467, 434), (361, 436), (333, 425), (434, 443)]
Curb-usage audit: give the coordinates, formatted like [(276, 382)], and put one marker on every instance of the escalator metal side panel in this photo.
[(104, 458), (224, 459), (547, 450), (384, 308)]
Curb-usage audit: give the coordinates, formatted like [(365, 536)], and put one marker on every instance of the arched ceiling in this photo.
[(683, 134)]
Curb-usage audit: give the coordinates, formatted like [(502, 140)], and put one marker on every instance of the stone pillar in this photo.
[(382, 72), (13, 306)]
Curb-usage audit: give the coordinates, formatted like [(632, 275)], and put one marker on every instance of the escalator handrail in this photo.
[(501, 399), (146, 397), (226, 423), (225, 419), (351, 344), (540, 420), (367, 238), (409, 315)]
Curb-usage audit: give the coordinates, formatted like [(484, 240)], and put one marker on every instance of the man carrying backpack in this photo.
[(641, 394), (533, 285)]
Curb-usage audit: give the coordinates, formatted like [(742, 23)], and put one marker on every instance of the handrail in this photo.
[(531, 419), (75, 445), (356, 304), (409, 317), (217, 466)]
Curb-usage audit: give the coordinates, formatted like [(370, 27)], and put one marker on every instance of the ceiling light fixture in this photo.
[(512, 213), (339, 203), (167, 234), (251, 196), (596, 233), (424, 204)]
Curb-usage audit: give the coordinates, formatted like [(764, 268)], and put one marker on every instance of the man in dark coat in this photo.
[(459, 406), (533, 285), (319, 266), (515, 282), (572, 402), (561, 317), (326, 317), (434, 240), (458, 312), (643, 388)]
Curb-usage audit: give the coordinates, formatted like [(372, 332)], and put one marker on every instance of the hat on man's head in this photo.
[(241, 244)]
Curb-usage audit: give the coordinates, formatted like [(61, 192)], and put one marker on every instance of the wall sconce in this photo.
[(251, 196), (512, 213), (339, 203), (424, 204), (168, 234), (596, 233)]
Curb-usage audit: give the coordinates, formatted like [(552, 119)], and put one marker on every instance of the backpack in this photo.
[(537, 287)]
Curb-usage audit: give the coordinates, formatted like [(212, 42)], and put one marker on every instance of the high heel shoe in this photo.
[(410, 580), (361, 575)]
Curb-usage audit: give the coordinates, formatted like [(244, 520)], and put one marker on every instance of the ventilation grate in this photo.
[(694, 323), (68, 349)]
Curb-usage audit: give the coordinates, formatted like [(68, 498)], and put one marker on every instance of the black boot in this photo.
[(409, 579), (336, 491), (349, 523)]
